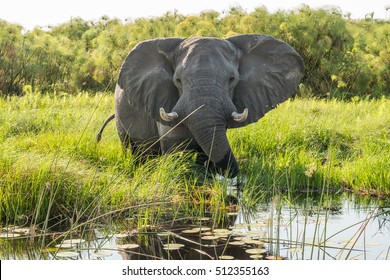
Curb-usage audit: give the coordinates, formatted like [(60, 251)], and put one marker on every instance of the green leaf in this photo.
[(255, 251), (101, 254), (173, 246)]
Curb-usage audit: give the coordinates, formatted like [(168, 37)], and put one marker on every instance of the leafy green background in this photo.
[(343, 57)]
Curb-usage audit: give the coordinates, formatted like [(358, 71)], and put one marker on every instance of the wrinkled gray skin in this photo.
[(203, 85)]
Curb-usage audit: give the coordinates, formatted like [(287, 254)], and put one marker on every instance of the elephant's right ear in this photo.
[(270, 71), (146, 76)]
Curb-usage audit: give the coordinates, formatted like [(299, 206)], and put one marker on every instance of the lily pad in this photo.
[(9, 235), (173, 246), (101, 254), (255, 233), (256, 251), (203, 219), (191, 231), (237, 243), (10, 228), (222, 236), (239, 233), (256, 257), (245, 238), (110, 247), (253, 242), (129, 246), (239, 238), (274, 258), (222, 230), (67, 254), (202, 228), (259, 225), (210, 237), (25, 231), (226, 257)]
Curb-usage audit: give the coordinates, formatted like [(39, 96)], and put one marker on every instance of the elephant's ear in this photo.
[(270, 71), (146, 76)]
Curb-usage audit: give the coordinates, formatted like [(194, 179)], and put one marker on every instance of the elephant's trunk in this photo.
[(208, 125), (213, 141)]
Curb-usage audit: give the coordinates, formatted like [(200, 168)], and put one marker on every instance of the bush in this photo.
[(344, 58)]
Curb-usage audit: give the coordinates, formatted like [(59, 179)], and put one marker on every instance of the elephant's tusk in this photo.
[(168, 117), (240, 117)]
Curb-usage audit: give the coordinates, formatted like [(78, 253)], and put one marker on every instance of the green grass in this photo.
[(319, 143), (52, 171)]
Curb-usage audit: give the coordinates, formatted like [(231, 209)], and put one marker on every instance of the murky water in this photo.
[(293, 228)]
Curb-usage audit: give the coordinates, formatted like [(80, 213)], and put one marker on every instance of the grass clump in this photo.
[(53, 172), (319, 143)]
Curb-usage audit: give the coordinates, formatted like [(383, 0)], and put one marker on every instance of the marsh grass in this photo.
[(319, 143), (53, 174)]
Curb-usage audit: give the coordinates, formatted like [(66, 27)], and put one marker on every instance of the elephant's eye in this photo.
[(232, 81), (178, 81)]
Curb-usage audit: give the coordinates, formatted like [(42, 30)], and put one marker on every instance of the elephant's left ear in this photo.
[(146, 76), (270, 71)]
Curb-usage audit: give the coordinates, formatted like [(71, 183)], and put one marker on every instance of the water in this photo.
[(344, 227)]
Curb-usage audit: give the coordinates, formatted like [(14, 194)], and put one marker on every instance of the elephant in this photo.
[(175, 92)]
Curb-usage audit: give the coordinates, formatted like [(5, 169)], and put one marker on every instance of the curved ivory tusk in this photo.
[(168, 117), (240, 117)]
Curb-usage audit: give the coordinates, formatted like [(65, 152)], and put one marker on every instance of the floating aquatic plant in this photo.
[(66, 254), (256, 251), (101, 254), (173, 246), (226, 257)]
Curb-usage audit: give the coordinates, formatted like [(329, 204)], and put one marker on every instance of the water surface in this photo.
[(300, 227)]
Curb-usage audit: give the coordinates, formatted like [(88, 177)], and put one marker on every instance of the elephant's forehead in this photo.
[(200, 47), (205, 44)]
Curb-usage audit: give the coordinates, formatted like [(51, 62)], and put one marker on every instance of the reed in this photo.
[(52, 172)]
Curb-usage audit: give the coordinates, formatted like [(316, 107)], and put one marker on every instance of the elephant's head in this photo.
[(210, 85)]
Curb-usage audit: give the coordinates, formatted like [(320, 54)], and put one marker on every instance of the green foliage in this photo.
[(52, 171), (306, 143), (343, 57)]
